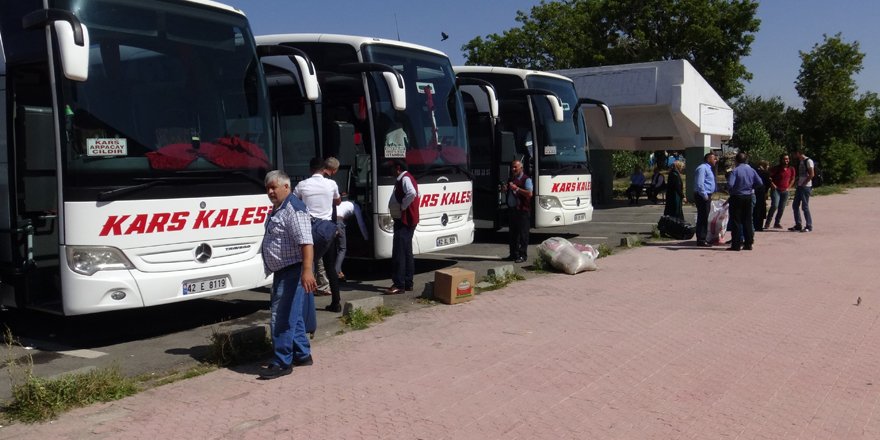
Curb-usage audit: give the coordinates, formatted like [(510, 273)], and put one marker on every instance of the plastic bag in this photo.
[(568, 257), (718, 216)]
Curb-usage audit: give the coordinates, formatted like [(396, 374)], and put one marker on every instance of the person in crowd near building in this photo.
[(805, 172), (636, 183), (760, 211), (675, 191), (658, 185), (346, 210), (741, 184), (287, 254), (704, 187), (404, 208), (781, 179), (519, 190), (321, 195)]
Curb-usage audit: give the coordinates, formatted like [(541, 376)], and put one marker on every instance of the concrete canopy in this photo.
[(661, 105)]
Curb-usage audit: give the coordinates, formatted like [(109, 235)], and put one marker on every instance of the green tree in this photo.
[(826, 84), (754, 139), (779, 121), (713, 35)]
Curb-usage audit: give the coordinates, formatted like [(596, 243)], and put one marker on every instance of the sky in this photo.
[(787, 27)]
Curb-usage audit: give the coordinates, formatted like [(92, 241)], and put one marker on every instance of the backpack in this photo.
[(817, 175), (817, 179)]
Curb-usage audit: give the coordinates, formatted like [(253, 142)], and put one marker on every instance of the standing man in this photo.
[(519, 203), (704, 186), (742, 182), (781, 179), (320, 195), (805, 173), (287, 253), (404, 208)]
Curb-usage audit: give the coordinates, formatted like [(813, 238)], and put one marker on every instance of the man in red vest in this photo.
[(519, 202), (404, 208)]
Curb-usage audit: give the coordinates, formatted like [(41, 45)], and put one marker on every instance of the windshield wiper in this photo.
[(116, 193), (450, 167)]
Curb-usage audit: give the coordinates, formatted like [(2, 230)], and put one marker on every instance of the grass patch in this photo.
[(37, 399), (604, 250), (152, 380), (498, 282), (655, 233), (541, 265), (232, 349), (358, 319)]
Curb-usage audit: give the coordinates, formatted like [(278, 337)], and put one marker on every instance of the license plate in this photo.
[(446, 241), (205, 285), (580, 217)]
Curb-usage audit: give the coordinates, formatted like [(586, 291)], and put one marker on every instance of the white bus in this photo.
[(135, 137), (381, 100), (539, 122)]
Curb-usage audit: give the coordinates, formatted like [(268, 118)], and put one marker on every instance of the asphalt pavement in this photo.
[(663, 341)]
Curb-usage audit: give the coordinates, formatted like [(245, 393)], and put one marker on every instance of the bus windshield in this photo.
[(560, 144), (430, 134), (174, 90)]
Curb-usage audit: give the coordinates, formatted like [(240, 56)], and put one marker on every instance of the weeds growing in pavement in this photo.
[(655, 233), (498, 282), (228, 349), (358, 319), (604, 250), (38, 399)]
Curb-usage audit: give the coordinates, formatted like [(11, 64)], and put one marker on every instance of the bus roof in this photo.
[(522, 73), (352, 40), (217, 5)]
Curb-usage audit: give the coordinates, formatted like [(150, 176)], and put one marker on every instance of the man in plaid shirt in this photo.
[(288, 254)]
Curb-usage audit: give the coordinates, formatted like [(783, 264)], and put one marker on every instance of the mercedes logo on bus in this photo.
[(444, 219), (203, 252)]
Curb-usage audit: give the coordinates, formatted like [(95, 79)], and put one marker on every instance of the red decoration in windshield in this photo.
[(226, 152)]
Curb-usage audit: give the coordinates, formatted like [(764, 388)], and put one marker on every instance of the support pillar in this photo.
[(693, 157), (602, 177)]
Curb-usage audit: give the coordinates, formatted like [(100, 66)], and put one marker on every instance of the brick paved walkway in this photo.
[(663, 342)]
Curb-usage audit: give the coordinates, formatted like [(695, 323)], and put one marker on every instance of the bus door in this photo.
[(35, 228)]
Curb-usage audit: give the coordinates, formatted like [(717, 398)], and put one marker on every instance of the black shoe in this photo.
[(703, 244), (795, 228), (335, 308), (303, 362), (520, 260), (509, 258), (747, 247), (408, 288), (274, 370), (734, 248)]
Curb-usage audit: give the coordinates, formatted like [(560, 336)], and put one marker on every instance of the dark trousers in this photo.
[(703, 206), (402, 262), (329, 260), (743, 230), (520, 222)]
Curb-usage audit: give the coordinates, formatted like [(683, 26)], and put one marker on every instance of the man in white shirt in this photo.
[(805, 172), (321, 195)]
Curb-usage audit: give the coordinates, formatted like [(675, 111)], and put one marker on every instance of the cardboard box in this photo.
[(454, 285)]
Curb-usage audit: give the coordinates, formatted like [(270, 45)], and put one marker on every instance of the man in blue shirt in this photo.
[(741, 185), (704, 186), (288, 254)]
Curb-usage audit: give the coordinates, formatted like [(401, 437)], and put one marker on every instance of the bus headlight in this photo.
[(386, 223), (87, 260), (549, 202)]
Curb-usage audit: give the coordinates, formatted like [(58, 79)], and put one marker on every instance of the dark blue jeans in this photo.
[(288, 328), (403, 265), (802, 202), (520, 222), (703, 207)]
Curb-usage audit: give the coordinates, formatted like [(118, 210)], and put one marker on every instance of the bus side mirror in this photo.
[(73, 39), (309, 77), (556, 106), (397, 89)]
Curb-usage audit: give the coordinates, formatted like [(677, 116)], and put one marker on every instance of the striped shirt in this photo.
[(287, 229)]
